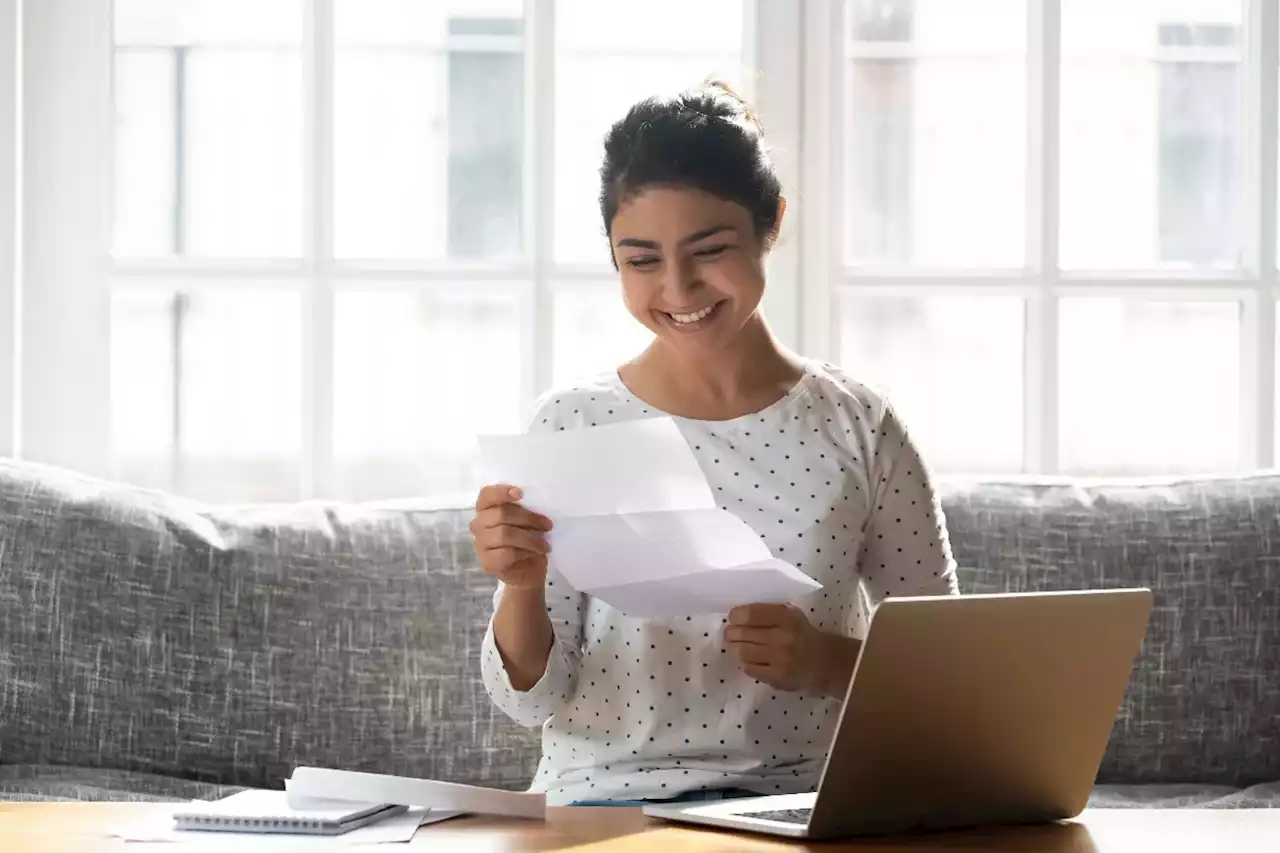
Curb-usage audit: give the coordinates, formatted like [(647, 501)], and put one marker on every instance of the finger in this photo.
[(759, 673), (509, 514), (518, 516), (496, 561), (515, 537), (750, 635), (758, 615), (753, 655), (497, 495)]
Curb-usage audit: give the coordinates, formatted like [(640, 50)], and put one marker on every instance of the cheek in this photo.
[(740, 278), (638, 293)]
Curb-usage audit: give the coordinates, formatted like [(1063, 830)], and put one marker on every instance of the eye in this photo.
[(642, 262), (712, 251)]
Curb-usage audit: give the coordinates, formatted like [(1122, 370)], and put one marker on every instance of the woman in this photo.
[(637, 710)]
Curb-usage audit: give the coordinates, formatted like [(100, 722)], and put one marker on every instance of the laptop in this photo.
[(963, 711)]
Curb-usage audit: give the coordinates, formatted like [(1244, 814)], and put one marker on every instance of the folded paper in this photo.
[(635, 521)]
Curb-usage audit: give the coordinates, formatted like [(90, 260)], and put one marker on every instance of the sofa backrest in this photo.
[(139, 631), (1203, 704), (142, 632)]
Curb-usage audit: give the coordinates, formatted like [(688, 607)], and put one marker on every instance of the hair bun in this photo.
[(744, 108)]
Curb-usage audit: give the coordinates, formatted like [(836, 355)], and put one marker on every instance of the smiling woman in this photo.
[(817, 464), (692, 206)]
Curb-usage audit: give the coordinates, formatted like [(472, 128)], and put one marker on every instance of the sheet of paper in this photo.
[(393, 830), (355, 786), (636, 523), (598, 551), (714, 591), (635, 466)]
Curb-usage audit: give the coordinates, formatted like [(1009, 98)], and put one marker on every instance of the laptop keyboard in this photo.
[(782, 815)]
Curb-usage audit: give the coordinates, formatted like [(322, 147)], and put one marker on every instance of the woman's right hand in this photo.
[(510, 540)]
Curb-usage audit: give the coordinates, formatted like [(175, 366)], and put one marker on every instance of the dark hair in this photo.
[(706, 138)]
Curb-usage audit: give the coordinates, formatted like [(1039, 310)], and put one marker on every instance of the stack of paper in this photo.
[(635, 522)]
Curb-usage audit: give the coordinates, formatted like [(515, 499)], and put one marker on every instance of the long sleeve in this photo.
[(565, 605), (534, 706), (906, 550)]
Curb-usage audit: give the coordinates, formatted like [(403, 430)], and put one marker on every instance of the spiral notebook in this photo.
[(269, 811)]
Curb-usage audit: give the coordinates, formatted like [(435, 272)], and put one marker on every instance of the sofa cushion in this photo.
[(1204, 699), (1185, 797), (225, 645), (25, 782)]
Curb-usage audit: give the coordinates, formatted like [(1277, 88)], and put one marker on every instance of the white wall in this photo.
[(10, 187), (66, 170)]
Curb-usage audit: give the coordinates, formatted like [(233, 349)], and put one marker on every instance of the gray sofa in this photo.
[(155, 648)]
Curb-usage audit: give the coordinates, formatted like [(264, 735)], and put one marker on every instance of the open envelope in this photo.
[(636, 524)]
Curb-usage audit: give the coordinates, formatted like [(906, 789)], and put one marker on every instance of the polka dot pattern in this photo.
[(640, 708)]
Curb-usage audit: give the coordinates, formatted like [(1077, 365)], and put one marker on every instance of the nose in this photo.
[(680, 281)]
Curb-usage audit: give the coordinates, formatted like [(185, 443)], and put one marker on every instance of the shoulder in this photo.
[(834, 387), (592, 400)]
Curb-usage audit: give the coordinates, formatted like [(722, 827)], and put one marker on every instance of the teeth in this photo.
[(692, 318)]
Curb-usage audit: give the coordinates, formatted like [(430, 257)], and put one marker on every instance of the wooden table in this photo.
[(84, 827)]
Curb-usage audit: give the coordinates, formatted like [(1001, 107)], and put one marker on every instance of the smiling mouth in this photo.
[(695, 317)]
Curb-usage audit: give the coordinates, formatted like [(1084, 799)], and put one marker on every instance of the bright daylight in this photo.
[(566, 424)]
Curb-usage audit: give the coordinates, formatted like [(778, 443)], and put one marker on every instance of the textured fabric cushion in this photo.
[(141, 632), (25, 782), (1204, 700), (1184, 797)]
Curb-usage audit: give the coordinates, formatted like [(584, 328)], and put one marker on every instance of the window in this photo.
[(344, 236), (1025, 265), (377, 228)]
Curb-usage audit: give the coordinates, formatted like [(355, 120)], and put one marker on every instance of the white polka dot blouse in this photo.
[(652, 708)]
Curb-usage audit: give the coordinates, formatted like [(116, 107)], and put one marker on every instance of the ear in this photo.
[(777, 223)]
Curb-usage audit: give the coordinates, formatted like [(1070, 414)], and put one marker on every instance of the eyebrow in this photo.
[(637, 243)]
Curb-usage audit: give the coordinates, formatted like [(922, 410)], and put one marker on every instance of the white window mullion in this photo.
[(1258, 341), (539, 203), (821, 251), (1040, 381), (773, 53), (65, 314), (318, 321)]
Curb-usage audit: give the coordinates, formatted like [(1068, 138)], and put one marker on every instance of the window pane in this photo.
[(1151, 144), (240, 397), (142, 374), (226, 22), (593, 332), (243, 153), (209, 148), (952, 366), (401, 23), (144, 102), (407, 404), (604, 64), (935, 118), (429, 130), (1149, 387), (235, 360)]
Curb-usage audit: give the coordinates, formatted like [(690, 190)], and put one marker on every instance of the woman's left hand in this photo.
[(776, 644)]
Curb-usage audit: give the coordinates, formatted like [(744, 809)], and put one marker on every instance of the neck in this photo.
[(755, 363)]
